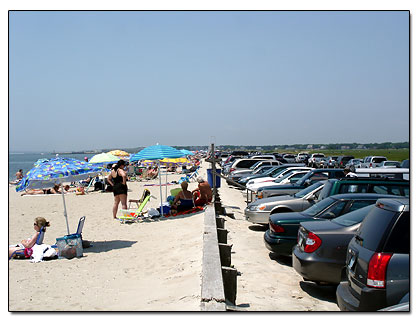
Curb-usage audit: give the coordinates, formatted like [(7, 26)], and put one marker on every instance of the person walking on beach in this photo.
[(118, 180), (30, 242)]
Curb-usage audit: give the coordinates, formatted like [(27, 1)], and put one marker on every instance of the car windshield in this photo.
[(319, 207), (288, 174), (275, 175), (353, 217), (307, 190)]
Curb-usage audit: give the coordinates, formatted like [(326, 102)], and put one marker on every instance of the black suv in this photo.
[(378, 259)]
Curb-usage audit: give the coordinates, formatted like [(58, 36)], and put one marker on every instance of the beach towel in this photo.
[(156, 184), (189, 211), (39, 252)]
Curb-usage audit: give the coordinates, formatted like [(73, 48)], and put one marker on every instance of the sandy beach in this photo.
[(146, 266)]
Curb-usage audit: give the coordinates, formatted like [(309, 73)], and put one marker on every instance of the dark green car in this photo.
[(283, 227)]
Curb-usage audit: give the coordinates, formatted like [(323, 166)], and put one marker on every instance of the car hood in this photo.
[(293, 217)]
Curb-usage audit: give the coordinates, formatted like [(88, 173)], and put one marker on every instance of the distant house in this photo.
[(361, 147), (323, 147), (345, 147), (309, 146)]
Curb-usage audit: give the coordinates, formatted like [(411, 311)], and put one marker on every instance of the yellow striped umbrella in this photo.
[(118, 152)]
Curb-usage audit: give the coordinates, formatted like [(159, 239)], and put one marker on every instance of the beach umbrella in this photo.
[(104, 158), (56, 171), (156, 153), (186, 152), (119, 153), (176, 161)]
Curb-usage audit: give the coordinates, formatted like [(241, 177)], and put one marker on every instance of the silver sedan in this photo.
[(260, 210)]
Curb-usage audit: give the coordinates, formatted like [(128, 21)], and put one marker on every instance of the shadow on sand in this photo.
[(320, 292), (258, 227), (282, 260), (104, 246)]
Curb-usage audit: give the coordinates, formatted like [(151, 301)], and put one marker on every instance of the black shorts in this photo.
[(120, 189)]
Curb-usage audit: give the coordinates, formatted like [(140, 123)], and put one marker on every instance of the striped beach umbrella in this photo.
[(156, 153)]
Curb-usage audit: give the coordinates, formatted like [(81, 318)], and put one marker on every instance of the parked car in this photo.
[(290, 158), (314, 159), (320, 255), (354, 163), (243, 164), (265, 157), (365, 185), (378, 259), (272, 172), (256, 165), (283, 227), (389, 164), (341, 161), (280, 173), (289, 177), (258, 171), (260, 210), (302, 157), (405, 164), (372, 161), (327, 162), (311, 177)]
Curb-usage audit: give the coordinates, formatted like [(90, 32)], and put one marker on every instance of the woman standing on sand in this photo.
[(118, 180)]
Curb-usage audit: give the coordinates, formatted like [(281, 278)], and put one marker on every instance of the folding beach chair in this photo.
[(193, 176), (20, 253), (133, 216), (146, 192)]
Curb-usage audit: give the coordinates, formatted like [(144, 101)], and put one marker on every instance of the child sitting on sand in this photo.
[(27, 244)]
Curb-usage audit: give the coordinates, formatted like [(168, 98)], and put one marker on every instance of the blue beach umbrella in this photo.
[(156, 153), (186, 152), (56, 171)]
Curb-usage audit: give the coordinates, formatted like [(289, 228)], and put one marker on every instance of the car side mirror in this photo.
[(311, 198)]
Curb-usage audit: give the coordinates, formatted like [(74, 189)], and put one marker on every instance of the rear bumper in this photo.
[(370, 299), (314, 268), (257, 217), (281, 246)]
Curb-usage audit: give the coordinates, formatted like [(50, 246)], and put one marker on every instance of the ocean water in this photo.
[(25, 161)]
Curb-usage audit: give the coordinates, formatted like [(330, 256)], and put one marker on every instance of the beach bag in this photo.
[(70, 246), (153, 212)]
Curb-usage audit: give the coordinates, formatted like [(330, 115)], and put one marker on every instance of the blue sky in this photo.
[(90, 80)]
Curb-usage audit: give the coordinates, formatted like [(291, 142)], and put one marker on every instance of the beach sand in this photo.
[(146, 266)]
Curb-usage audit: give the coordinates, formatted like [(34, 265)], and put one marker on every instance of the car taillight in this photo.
[(276, 228), (312, 243), (232, 169), (377, 270), (370, 165)]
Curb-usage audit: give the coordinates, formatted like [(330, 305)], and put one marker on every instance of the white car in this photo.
[(314, 159), (258, 182)]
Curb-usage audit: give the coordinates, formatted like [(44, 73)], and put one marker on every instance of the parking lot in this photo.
[(267, 282)]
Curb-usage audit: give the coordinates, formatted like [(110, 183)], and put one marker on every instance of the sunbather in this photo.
[(53, 190), (30, 242), (183, 201), (203, 194)]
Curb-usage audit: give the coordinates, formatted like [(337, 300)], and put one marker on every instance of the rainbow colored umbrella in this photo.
[(56, 171)]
